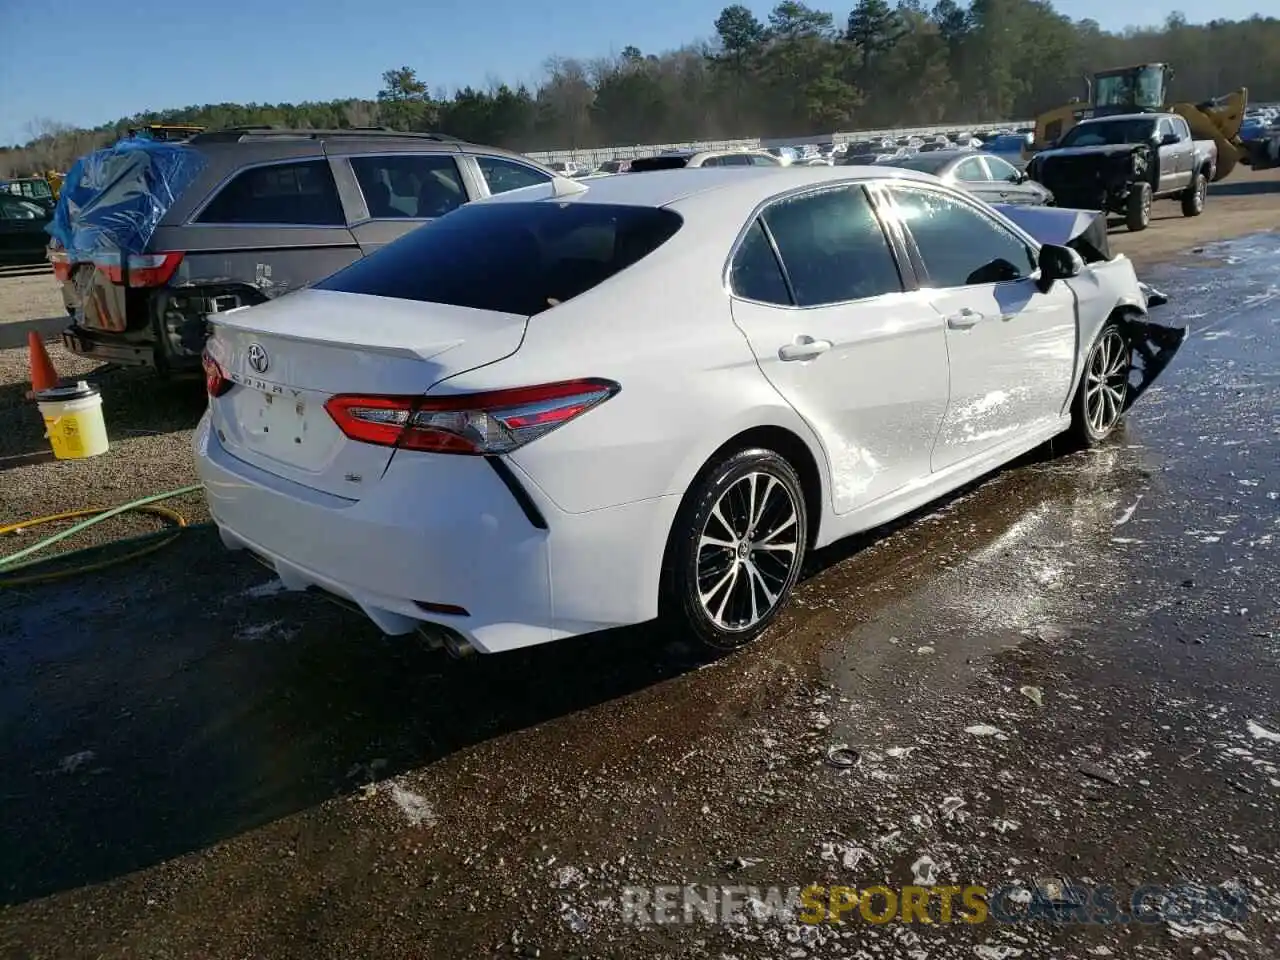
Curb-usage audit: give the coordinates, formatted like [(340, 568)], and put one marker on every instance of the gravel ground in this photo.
[(149, 424), (29, 294)]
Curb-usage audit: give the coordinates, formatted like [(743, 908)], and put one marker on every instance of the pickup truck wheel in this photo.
[(1193, 198), (1137, 214)]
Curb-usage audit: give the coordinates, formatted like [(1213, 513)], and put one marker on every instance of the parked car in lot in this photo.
[(270, 211), (591, 403), (1121, 164), (706, 158), (36, 189), (991, 178), (22, 235)]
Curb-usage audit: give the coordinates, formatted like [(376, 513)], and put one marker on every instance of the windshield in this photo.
[(1138, 89), (1107, 132), (520, 258)]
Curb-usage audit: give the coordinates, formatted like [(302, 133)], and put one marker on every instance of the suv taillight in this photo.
[(477, 424), (144, 269), (215, 381)]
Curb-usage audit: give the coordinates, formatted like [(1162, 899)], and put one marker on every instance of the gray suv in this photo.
[(270, 211)]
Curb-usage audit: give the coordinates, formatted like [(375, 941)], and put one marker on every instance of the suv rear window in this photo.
[(641, 164), (298, 193), (520, 258)]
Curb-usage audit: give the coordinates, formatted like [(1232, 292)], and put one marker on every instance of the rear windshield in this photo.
[(641, 164), (520, 258)]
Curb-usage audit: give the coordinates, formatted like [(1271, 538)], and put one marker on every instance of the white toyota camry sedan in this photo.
[(587, 404)]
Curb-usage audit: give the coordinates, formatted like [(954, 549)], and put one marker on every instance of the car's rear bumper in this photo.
[(446, 530)]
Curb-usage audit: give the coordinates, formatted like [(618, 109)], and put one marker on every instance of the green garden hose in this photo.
[(146, 543)]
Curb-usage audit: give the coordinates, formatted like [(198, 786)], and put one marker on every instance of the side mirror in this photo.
[(1019, 177), (1169, 140), (1058, 263)]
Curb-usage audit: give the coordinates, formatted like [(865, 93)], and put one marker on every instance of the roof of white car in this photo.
[(749, 185)]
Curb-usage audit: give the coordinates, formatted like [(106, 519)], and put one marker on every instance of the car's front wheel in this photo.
[(1193, 198), (1100, 400), (736, 548)]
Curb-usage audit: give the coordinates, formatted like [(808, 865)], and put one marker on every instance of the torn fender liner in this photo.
[(1085, 231), (1154, 345), (113, 199)]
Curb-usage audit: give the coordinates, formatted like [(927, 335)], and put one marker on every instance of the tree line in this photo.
[(800, 71)]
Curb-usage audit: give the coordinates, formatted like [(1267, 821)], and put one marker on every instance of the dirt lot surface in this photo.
[(29, 293), (1063, 679)]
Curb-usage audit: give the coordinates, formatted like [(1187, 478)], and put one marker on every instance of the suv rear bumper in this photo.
[(117, 348), (108, 346)]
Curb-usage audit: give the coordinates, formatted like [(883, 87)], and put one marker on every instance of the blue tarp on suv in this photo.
[(113, 199)]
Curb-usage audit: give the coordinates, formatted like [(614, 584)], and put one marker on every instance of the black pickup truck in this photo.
[(1120, 164)]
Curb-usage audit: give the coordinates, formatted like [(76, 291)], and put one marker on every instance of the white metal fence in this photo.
[(597, 155)]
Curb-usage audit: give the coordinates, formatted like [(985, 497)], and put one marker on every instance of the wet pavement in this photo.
[(1068, 671)]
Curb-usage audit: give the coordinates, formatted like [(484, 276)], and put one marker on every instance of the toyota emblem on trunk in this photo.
[(258, 358)]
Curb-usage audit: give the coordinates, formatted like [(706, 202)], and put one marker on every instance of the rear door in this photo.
[(398, 191), (276, 226), (837, 332), (1011, 347)]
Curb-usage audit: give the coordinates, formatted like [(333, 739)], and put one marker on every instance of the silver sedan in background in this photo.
[(991, 178)]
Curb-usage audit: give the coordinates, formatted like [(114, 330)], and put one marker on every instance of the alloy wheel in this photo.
[(1107, 382), (747, 551)]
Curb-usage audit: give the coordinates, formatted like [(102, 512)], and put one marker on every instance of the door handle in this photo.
[(963, 320), (804, 348)]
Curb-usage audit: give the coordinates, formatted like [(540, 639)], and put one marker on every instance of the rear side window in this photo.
[(298, 194), (520, 258), (755, 274), (833, 247), (502, 175), (408, 186)]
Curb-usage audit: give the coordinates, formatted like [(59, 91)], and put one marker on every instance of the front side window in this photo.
[(409, 186), (502, 175), (960, 245), (1002, 170), (832, 246), (971, 170), (757, 160), (296, 194)]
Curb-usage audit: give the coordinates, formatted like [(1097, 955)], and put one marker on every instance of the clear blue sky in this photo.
[(153, 54)]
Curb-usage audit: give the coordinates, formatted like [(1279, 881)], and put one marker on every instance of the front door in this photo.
[(1011, 347), (861, 359)]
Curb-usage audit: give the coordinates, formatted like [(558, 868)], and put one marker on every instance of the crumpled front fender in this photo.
[(1154, 344)]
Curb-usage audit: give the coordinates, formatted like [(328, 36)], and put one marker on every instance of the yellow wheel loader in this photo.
[(1142, 89)]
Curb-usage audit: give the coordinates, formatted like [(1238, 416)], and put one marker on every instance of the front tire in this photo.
[(1137, 214), (1194, 197), (1100, 399), (736, 549)]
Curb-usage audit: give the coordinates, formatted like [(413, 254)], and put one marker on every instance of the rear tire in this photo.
[(1138, 207), (1099, 402), (1194, 197), (735, 549)]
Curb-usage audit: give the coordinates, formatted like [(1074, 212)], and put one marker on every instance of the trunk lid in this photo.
[(288, 356)]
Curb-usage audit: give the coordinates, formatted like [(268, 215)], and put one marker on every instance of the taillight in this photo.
[(60, 260), (145, 269), (214, 380), (478, 424)]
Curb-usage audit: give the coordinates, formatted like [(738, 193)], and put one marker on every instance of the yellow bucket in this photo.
[(73, 421)]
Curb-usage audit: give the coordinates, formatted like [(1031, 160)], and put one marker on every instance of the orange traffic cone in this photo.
[(43, 375)]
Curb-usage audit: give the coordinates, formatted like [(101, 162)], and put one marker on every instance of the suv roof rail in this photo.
[(237, 134)]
